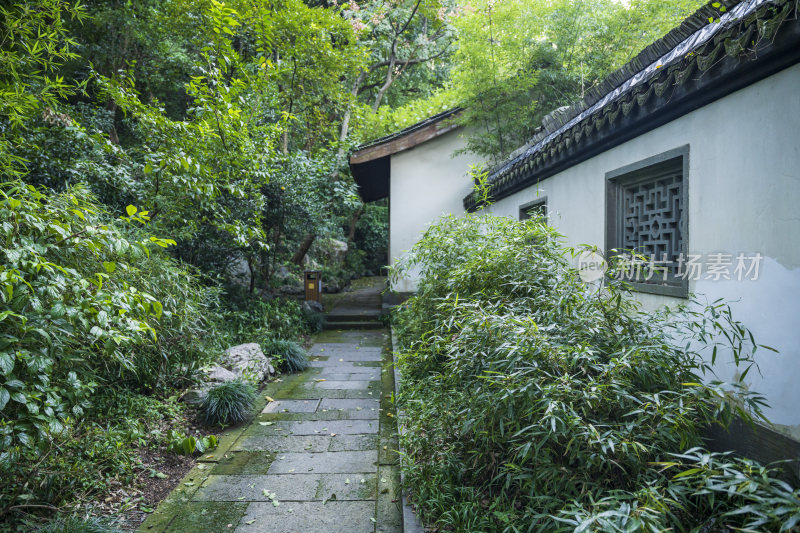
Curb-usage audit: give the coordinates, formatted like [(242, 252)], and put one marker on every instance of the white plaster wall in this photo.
[(744, 196), (426, 182)]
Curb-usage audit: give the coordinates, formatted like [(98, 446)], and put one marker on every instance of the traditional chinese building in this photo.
[(419, 171), (689, 154)]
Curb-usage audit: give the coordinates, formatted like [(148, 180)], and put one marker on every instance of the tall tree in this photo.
[(402, 37), (515, 61), (34, 45)]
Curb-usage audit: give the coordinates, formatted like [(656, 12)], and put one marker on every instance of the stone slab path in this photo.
[(320, 456)]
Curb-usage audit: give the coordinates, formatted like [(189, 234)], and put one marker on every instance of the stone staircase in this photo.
[(354, 321), (360, 309)]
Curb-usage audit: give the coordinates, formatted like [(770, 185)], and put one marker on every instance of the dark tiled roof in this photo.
[(676, 60), (414, 127)]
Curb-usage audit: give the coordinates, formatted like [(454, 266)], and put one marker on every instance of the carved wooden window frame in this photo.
[(539, 203), (644, 171)]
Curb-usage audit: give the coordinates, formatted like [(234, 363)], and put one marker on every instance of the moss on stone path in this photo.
[(319, 456)]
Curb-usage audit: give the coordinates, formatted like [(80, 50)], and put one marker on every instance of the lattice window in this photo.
[(646, 213), (651, 216), (536, 208)]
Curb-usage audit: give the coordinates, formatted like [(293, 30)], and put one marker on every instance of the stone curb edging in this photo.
[(411, 522)]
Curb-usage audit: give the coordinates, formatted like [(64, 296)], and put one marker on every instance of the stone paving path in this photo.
[(319, 457)]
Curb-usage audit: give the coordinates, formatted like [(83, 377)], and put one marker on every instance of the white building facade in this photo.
[(742, 214), (422, 175)]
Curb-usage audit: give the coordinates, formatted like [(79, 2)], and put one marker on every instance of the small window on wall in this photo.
[(646, 214), (537, 208)]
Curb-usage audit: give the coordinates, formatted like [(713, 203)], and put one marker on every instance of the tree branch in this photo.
[(410, 18)]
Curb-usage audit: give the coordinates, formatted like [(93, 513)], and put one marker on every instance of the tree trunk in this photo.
[(301, 252), (343, 130), (382, 91), (351, 234), (345, 125), (111, 105), (252, 270), (275, 245)]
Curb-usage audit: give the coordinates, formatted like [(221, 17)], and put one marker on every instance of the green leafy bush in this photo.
[(86, 461), (291, 356), (372, 236), (85, 304), (228, 403), (77, 524), (139, 417), (94, 318), (247, 318), (182, 445), (538, 403), (313, 320)]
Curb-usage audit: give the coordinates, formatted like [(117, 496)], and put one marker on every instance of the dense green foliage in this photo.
[(93, 311), (254, 320), (100, 326), (77, 524), (538, 403), (228, 403), (516, 61), (314, 320), (370, 236), (222, 120), (169, 167), (87, 303)]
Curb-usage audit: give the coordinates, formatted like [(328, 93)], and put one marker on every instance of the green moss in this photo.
[(388, 508), (238, 463), (208, 517)]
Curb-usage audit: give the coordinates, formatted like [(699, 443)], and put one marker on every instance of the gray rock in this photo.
[(266, 295), (221, 374), (283, 273), (313, 305), (195, 396), (247, 360), (338, 249), (332, 286), (288, 289), (215, 376), (311, 264), (239, 272)]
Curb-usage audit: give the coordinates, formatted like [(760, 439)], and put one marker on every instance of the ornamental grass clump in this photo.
[(228, 403), (536, 402), (290, 355)]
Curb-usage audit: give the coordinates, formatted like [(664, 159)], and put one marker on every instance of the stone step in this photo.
[(355, 317), (367, 324)]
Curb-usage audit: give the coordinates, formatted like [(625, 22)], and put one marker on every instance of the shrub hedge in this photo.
[(536, 402), (98, 328)]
